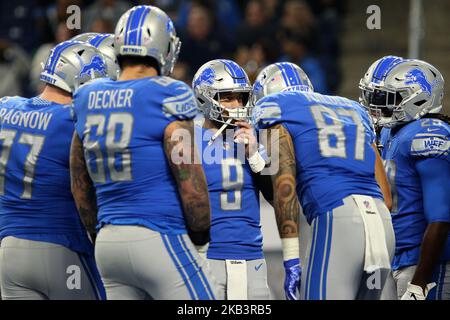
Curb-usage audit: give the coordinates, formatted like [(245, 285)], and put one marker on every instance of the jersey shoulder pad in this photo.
[(431, 139), (178, 100), (267, 111), (9, 101)]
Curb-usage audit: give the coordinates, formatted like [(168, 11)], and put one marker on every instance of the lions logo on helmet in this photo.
[(104, 42), (96, 64), (417, 76), (207, 76)]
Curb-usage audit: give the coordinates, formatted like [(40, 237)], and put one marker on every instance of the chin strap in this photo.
[(214, 137)]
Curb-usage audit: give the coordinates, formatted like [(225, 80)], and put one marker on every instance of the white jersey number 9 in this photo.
[(231, 185)]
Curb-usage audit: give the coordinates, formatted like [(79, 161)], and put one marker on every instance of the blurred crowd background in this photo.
[(329, 39), (254, 33)]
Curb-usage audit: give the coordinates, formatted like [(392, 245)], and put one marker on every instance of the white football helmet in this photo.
[(215, 78), (147, 31), (278, 77), (104, 42), (71, 64), (397, 90)]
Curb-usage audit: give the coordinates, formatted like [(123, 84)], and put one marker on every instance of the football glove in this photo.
[(414, 292), (292, 280)]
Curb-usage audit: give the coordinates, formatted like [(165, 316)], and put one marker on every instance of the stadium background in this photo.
[(329, 39)]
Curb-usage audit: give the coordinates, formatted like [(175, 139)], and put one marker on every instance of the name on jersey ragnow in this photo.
[(28, 119), (105, 99)]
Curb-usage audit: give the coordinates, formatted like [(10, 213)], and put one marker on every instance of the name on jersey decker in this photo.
[(29, 119), (106, 99)]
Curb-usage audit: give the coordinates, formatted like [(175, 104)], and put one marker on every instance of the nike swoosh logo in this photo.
[(258, 267), (432, 130)]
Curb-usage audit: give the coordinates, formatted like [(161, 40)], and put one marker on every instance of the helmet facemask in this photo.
[(384, 105), (229, 115)]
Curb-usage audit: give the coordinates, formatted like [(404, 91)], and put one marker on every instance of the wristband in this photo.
[(291, 248), (256, 162)]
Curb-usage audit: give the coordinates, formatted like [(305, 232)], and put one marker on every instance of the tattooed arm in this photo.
[(82, 187), (181, 152), (285, 201), (286, 205)]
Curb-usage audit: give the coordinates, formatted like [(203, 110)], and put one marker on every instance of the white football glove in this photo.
[(414, 292)]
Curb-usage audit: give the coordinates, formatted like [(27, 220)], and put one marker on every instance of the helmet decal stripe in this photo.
[(284, 70), (134, 26), (98, 39), (297, 77), (57, 53), (280, 66), (236, 72), (393, 64), (128, 27), (228, 66), (383, 67), (292, 75), (141, 23)]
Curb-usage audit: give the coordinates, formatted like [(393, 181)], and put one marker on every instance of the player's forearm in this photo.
[(189, 176), (82, 187), (381, 178), (195, 199), (286, 205), (433, 244)]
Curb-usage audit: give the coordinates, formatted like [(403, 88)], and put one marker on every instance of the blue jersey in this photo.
[(332, 138), (418, 140), (36, 202), (121, 124), (234, 197)]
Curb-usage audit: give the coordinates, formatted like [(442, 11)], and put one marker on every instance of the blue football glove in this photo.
[(292, 281)]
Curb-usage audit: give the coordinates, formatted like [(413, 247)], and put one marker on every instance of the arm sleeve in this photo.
[(180, 102), (432, 141), (435, 178), (267, 112)]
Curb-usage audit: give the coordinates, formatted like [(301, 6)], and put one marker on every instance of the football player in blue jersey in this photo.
[(130, 165), (234, 254), (45, 251), (404, 96), (328, 158)]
